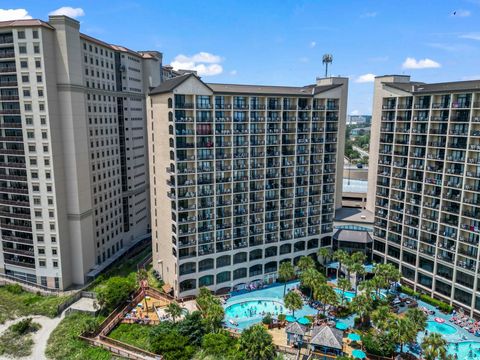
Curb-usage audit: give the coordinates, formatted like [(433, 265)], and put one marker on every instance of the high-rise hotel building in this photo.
[(424, 185), (74, 185), (243, 178)]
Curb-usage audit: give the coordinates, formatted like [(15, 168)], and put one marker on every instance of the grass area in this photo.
[(64, 343), (17, 340), (132, 334), (123, 269), (15, 302)]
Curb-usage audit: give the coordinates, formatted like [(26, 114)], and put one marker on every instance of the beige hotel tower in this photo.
[(74, 185), (243, 177), (424, 185)]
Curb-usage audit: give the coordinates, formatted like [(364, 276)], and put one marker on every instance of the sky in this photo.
[(281, 42)]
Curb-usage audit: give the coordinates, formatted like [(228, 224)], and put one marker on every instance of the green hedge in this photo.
[(429, 300)]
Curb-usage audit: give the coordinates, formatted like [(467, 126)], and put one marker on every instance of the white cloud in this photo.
[(355, 112), (412, 63), (462, 13), (68, 11), (369, 14), (471, 36), (233, 72), (204, 63), (313, 44), (13, 14), (365, 78)]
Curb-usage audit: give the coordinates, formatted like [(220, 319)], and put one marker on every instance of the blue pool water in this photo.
[(465, 349), (247, 310), (442, 329), (349, 295)]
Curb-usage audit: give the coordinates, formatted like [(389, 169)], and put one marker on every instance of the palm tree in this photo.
[(368, 287), (418, 318), (306, 262), (325, 253), (362, 305), (310, 278), (174, 310), (326, 295), (256, 343), (286, 272), (357, 269), (434, 346), (403, 331), (382, 318), (344, 285), (342, 257), (293, 301)]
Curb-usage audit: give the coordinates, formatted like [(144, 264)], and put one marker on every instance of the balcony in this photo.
[(19, 263)]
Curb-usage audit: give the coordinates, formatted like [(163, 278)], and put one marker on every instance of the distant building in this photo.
[(359, 119), (360, 131)]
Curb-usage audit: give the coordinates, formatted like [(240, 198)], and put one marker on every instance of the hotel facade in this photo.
[(243, 178), (424, 185), (74, 184)]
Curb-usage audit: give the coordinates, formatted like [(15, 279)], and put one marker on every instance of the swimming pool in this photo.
[(349, 295), (254, 309), (465, 349), (442, 329)]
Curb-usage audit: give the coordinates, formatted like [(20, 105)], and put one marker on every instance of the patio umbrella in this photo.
[(290, 318), (358, 354), (354, 337), (341, 326), (303, 321)]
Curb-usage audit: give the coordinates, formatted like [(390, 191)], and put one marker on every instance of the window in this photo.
[(29, 121), (41, 251), (22, 49), (35, 34), (21, 34), (40, 92), (28, 107), (24, 64), (54, 251), (31, 147), (39, 78), (36, 49), (25, 79), (38, 64), (42, 263), (26, 93), (55, 263)]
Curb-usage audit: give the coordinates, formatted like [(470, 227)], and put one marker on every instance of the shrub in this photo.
[(24, 326), (282, 317), (15, 289), (380, 345), (114, 291), (267, 320)]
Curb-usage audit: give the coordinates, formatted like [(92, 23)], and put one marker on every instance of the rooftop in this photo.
[(361, 237), (327, 336), (423, 88), (354, 215), (308, 90)]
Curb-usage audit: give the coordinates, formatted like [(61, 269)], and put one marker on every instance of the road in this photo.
[(362, 152)]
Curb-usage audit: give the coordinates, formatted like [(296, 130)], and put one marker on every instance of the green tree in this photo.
[(382, 317), (306, 262), (211, 309), (326, 295), (418, 318), (91, 325), (434, 346), (286, 272), (142, 275), (256, 343), (311, 278), (325, 253), (114, 291), (385, 275), (344, 285), (219, 344), (403, 331), (362, 305), (193, 327), (167, 341), (174, 310), (342, 257), (293, 301), (368, 287)]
